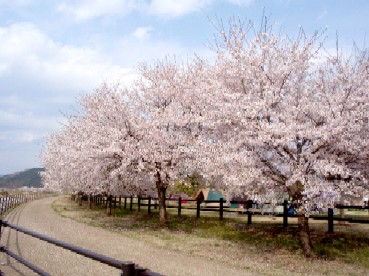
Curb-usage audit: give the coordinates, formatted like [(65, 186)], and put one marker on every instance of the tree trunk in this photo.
[(304, 235), (161, 188), (90, 201), (295, 191), (108, 205), (162, 205)]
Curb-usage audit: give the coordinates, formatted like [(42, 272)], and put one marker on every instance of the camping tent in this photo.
[(211, 194)]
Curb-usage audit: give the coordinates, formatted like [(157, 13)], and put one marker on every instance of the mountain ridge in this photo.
[(27, 178)]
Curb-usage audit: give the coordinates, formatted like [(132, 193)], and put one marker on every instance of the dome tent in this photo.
[(211, 194)]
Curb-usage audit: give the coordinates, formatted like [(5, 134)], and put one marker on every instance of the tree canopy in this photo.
[(271, 115)]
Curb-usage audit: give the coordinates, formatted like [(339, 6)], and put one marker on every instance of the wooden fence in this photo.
[(218, 206), (8, 202)]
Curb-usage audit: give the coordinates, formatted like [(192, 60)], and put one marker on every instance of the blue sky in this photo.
[(52, 51)]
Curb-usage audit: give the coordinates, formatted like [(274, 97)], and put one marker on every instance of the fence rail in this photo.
[(220, 207), (8, 202), (31, 266), (127, 268)]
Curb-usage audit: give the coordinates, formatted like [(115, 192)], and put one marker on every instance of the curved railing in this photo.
[(127, 268)]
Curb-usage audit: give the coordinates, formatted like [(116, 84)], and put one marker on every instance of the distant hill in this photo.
[(28, 178)]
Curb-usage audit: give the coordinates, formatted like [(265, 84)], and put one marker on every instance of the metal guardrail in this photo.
[(127, 268), (31, 266)]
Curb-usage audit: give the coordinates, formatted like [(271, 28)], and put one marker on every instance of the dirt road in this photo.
[(40, 217)]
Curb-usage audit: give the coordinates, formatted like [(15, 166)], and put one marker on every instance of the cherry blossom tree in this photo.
[(273, 115), (162, 98), (93, 144), (130, 140), (294, 120)]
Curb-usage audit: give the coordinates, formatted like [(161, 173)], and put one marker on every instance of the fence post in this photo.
[(125, 202), (109, 199), (120, 201), (128, 269), (80, 200), (249, 217), (198, 208), (131, 204), (285, 213), (139, 203), (140, 271), (179, 206), (330, 220), (149, 206), (221, 209), (6, 203), (90, 199)]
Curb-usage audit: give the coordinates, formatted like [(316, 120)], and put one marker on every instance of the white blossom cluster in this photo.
[(272, 115)]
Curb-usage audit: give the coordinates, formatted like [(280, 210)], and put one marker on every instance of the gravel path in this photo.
[(39, 216)]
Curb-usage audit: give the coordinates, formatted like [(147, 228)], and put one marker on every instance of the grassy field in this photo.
[(232, 241)]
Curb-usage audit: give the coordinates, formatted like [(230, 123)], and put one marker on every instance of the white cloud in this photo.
[(148, 50), (21, 119), (89, 9), (18, 3), (142, 33), (27, 137), (241, 2), (322, 15), (173, 8), (3, 68), (25, 51), (40, 78)]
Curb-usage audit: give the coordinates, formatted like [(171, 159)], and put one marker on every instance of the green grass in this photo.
[(263, 237), (351, 248)]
